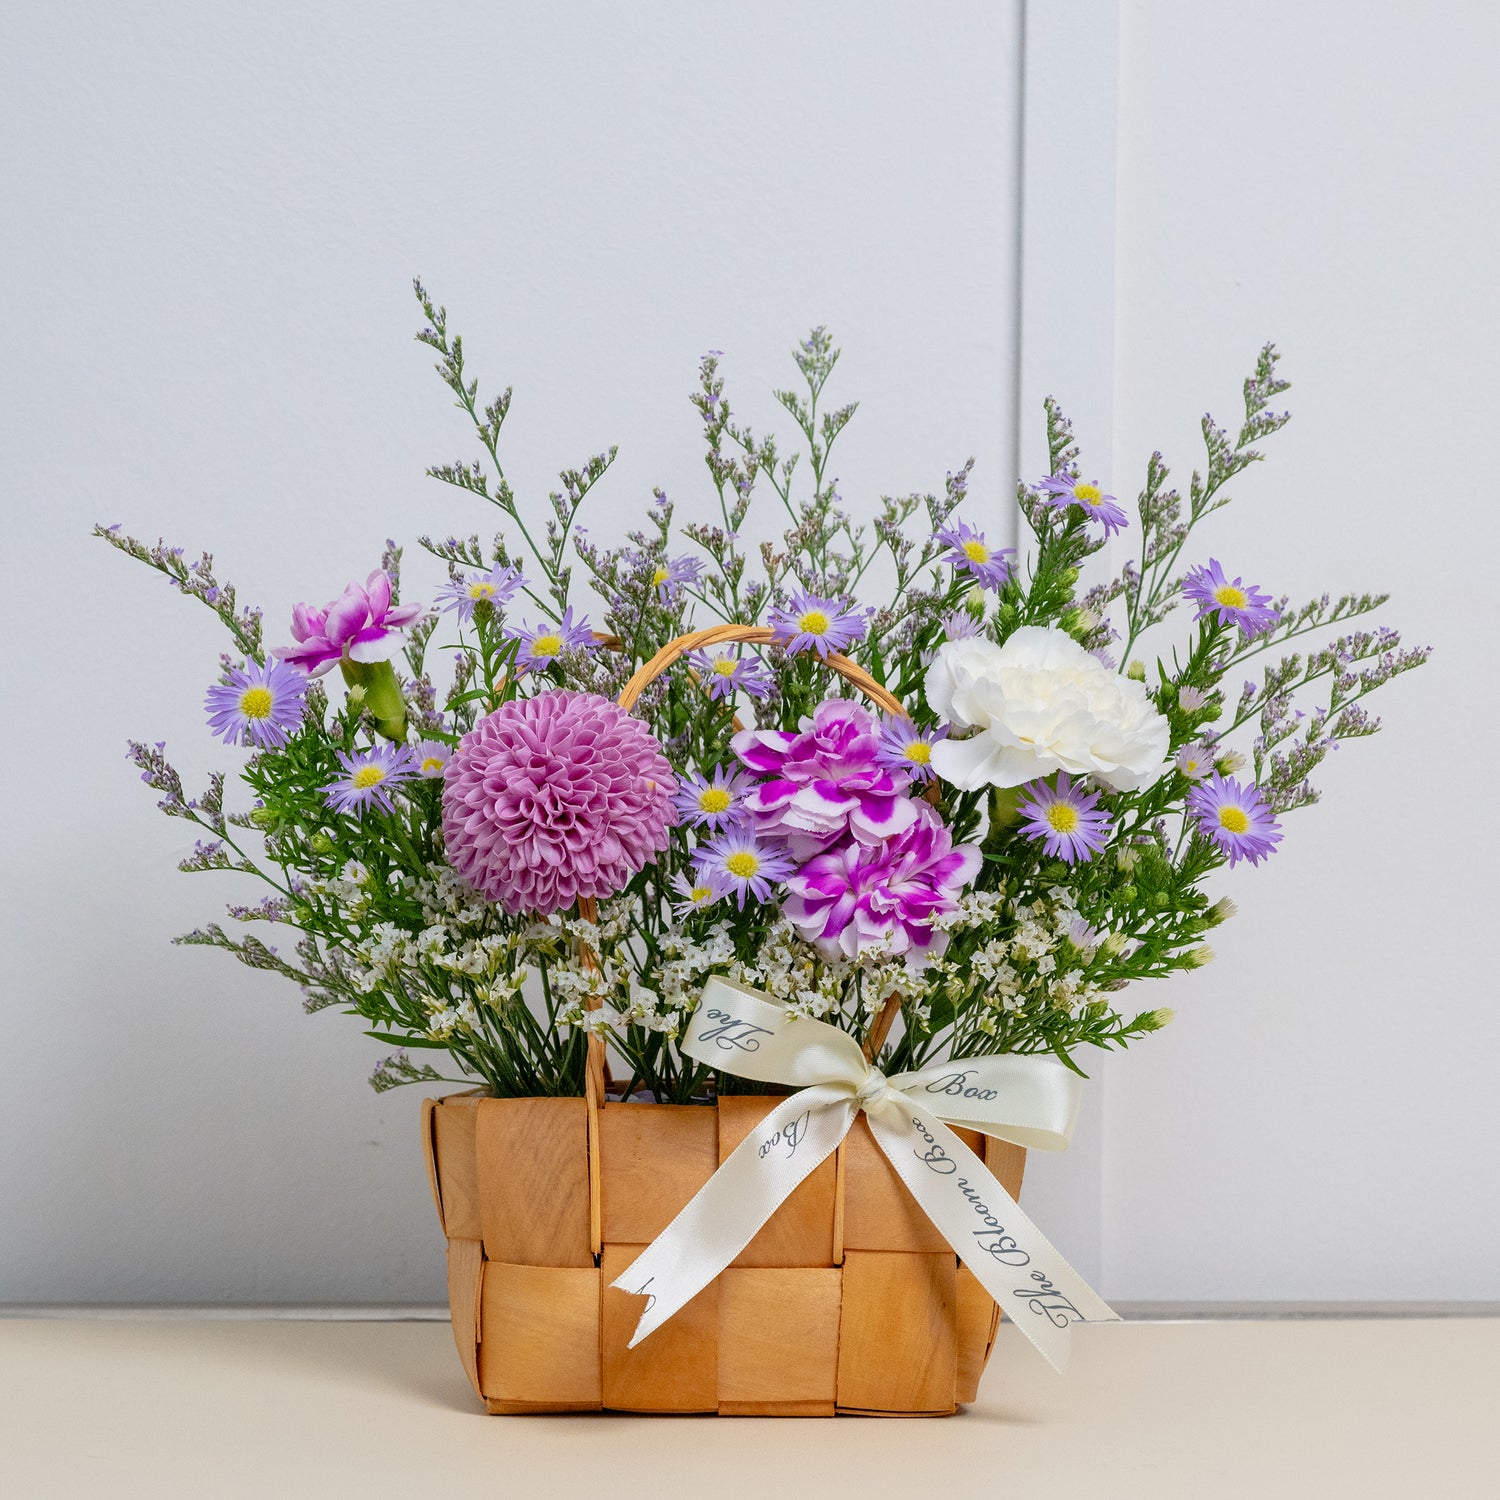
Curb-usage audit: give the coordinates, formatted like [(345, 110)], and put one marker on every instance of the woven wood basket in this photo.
[(848, 1301)]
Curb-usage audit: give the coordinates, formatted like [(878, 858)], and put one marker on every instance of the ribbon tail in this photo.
[(728, 1210), (1014, 1261)]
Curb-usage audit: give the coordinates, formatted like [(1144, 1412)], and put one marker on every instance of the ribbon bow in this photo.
[(1031, 1101)]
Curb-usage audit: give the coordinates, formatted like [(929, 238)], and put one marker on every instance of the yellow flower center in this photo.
[(1088, 494), (713, 799), (699, 894), (481, 589), (1063, 817), (1231, 597), (546, 645), (255, 703), (1234, 819), (814, 622), (431, 763), (659, 577), (725, 665), (918, 751), (368, 776), (742, 865), (1190, 764), (976, 552)]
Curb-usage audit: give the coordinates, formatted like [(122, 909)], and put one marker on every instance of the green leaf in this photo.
[(407, 1041)]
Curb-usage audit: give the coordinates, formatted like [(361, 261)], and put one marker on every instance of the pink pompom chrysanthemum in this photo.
[(555, 797)]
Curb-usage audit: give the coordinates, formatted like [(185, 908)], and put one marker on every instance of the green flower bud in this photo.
[(1127, 893), (262, 817), (1201, 956), (1154, 1020), (1068, 576), (1136, 671), (320, 843), (1221, 911)]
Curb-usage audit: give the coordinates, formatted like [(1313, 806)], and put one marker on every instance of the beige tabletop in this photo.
[(127, 1408)]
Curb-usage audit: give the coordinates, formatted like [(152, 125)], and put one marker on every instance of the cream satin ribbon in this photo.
[(1032, 1101)]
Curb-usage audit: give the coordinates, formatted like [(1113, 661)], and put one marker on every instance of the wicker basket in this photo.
[(847, 1301)]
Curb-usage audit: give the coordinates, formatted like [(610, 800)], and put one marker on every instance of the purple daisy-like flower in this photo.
[(1065, 818), (742, 863), (555, 797), (696, 894), (496, 588), (361, 623), (1063, 490), (368, 778), (712, 803), (430, 758), (968, 552), (1236, 818), (1195, 762), (904, 747), (670, 576), (854, 896), (261, 704), (541, 645), (1233, 600), (959, 626), (809, 623), (723, 673), (824, 780)]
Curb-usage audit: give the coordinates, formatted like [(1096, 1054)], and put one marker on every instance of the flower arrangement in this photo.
[(493, 865)]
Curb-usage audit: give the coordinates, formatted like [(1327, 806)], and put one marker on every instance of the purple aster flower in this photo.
[(725, 672), (970, 553), (1234, 601), (1063, 490), (368, 778), (361, 623), (696, 894), (742, 863), (712, 804), (671, 576), (1195, 762), (496, 588), (541, 645), (854, 896), (824, 780), (1235, 818), (429, 757), (809, 623), (1064, 817), (959, 626), (904, 747), (259, 705), (1191, 700)]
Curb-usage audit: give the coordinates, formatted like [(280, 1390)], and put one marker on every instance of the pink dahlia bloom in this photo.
[(854, 896), (825, 780), (555, 797), (362, 621)]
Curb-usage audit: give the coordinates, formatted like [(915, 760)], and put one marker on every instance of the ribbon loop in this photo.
[(1031, 1101)]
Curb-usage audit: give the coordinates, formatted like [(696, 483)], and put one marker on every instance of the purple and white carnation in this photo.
[(809, 623), (541, 645), (361, 623), (904, 747), (968, 552), (1236, 818), (1064, 490), (261, 704), (368, 778), (1234, 601), (712, 803), (723, 673), (742, 864), (856, 896), (1065, 818), (824, 780), (496, 588)]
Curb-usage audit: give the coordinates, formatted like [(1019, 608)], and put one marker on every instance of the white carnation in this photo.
[(1038, 704)]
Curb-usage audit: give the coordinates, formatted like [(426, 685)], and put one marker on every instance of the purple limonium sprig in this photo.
[(712, 803), (1236, 818), (904, 747), (368, 778), (1065, 818), (968, 552), (670, 576), (1195, 762), (362, 622), (723, 673), (496, 588), (260, 704), (742, 863), (1233, 600), (809, 623), (696, 894), (541, 645), (429, 757), (1063, 490)]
